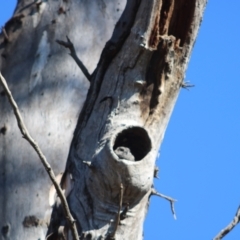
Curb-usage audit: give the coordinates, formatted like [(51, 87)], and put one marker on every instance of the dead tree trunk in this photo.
[(110, 168)]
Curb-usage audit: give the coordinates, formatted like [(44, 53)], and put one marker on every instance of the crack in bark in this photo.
[(166, 15), (181, 20), (154, 69), (158, 71), (174, 23)]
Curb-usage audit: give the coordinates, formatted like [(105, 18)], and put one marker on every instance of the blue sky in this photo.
[(199, 162)]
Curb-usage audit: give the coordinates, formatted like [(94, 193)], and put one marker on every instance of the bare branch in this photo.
[(73, 54), (43, 159), (186, 85), (230, 226), (171, 200)]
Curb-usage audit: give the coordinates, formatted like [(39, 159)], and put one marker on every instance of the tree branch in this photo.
[(171, 200), (73, 54), (230, 226), (186, 85), (43, 159)]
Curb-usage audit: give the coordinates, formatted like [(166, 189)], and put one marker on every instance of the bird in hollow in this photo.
[(124, 153)]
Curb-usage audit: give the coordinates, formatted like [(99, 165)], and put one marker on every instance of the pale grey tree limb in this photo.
[(171, 200), (230, 226), (73, 54), (43, 159)]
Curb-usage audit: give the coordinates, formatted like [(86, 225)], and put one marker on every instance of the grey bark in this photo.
[(110, 167), (50, 90)]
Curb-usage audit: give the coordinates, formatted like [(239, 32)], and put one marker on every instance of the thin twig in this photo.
[(117, 221), (73, 54), (186, 85), (43, 159), (230, 226), (171, 200)]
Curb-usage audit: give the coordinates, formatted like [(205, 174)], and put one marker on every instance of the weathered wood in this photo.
[(133, 91), (132, 94)]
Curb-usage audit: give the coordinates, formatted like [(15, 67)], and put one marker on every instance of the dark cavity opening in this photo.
[(132, 144), (3, 130), (5, 230)]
